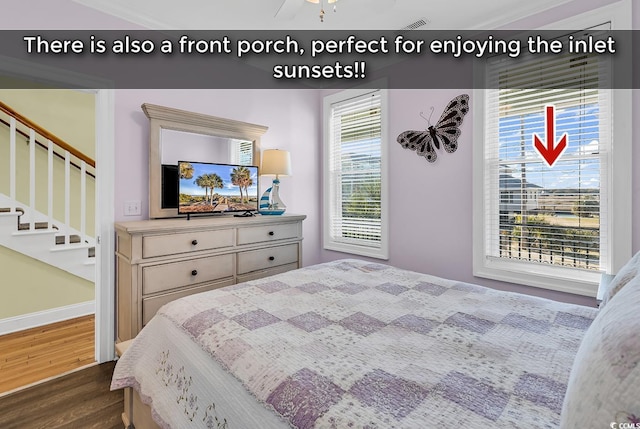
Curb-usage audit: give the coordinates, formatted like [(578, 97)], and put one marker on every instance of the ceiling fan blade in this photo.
[(289, 9)]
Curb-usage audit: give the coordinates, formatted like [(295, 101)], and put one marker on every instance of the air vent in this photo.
[(417, 24)]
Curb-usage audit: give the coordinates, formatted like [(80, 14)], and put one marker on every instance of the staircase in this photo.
[(25, 229)]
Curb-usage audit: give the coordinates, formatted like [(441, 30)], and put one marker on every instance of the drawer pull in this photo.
[(194, 272), (272, 233), (194, 242), (272, 258)]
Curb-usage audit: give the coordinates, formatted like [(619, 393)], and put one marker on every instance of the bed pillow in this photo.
[(604, 385), (627, 273)]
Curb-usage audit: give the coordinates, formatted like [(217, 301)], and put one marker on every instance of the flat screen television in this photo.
[(205, 188)]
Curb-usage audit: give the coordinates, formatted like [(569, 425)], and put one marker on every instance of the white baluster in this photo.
[(83, 200), (50, 182), (12, 162), (32, 178), (67, 195)]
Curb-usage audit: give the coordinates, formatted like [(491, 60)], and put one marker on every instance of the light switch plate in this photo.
[(132, 208)]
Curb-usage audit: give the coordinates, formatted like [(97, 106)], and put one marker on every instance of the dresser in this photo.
[(158, 261)]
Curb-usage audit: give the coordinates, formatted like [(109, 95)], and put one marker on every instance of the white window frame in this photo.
[(381, 252), (619, 188)]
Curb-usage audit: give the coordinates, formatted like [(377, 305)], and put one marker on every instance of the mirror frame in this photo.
[(161, 117)]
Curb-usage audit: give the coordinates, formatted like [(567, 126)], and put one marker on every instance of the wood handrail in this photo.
[(46, 134), (44, 146)]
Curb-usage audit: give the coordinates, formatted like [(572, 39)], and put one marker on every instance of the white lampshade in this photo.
[(275, 162)]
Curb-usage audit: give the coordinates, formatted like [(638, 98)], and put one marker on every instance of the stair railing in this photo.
[(55, 146)]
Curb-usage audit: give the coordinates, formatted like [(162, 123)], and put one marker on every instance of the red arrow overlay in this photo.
[(551, 151)]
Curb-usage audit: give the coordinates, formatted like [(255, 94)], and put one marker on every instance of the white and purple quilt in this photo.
[(353, 344)]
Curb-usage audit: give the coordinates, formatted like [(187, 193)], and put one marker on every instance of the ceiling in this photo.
[(302, 15)]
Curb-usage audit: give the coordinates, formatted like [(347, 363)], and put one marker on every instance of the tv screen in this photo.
[(216, 188)]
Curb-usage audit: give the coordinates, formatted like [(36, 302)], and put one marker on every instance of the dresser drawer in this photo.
[(266, 258), (159, 278), (150, 306), (260, 234), (266, 273), (172, 244)]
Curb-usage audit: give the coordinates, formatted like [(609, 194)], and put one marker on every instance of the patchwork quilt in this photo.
[(354, 344)]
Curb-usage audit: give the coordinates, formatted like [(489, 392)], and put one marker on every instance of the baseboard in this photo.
[(46, 317)]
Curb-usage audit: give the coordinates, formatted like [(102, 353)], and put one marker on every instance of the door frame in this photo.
[(105, 264), (51, 77)]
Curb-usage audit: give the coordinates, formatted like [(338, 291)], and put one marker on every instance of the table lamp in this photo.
[(276, 163)]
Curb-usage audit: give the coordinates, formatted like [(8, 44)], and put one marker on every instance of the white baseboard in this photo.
[(46, 317)]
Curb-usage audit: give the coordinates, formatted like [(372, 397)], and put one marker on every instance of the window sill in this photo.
[(357, 250), (561, 279)]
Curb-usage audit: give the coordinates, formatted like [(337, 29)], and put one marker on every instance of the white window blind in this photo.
[(241, 152), (354, 185), (536, 215)]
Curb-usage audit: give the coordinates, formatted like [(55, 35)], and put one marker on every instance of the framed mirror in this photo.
[(179, 135)]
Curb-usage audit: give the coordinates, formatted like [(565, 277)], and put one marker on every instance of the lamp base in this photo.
[(270, 202), (271, 212)]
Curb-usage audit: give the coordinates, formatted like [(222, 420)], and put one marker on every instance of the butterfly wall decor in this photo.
[(445, 131)]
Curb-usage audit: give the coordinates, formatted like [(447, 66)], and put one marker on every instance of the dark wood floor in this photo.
[(78, 400)]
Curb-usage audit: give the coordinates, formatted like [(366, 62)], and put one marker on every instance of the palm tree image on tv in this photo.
[(207, 188), (241, 177)]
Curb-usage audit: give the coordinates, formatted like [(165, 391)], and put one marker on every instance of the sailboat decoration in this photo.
[(270, 202)]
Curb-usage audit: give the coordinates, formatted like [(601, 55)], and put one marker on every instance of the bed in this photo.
[(355, 344)]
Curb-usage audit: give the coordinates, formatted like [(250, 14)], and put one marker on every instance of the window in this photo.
[(355, 213), (241, 152), (554, 227)]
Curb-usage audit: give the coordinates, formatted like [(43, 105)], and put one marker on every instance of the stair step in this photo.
[(75, 239), (68, 254), (63, 247), (72, 239), (44, 241), (37, 225), (34, 232), (8, 210), (91, 250)]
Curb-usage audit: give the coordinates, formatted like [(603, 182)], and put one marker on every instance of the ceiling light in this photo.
[(322, 7)]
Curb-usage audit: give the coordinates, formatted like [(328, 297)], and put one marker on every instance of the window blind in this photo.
[(535, 213), (355, 171), (241, 152)]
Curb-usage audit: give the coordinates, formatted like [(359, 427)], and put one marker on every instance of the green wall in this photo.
[(69, 115), (28, 285)]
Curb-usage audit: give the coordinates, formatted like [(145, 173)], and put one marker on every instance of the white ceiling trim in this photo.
[(516, 14), (111, 8)]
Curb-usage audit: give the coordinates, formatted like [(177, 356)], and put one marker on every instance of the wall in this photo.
[(29, 286), (71, 116)]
